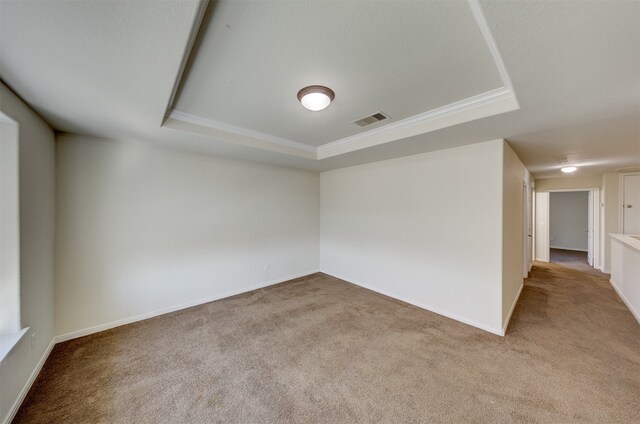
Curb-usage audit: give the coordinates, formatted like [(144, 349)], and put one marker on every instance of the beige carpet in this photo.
[(571, 259), (319, 350)]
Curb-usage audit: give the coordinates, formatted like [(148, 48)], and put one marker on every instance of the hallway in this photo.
[(571, 259), (580, 327)]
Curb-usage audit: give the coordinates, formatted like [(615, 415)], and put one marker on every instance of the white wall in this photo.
[(568, 220), (625, 271), (426, 229), (516, 180), (9, 229), (610, 215), (143, 230), (37, 175)]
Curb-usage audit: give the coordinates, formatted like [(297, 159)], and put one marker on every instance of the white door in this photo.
[(589, 230), (542, 227), (631, 204), (526, 231)]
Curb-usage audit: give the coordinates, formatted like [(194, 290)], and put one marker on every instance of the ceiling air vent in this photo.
[(371, 119)]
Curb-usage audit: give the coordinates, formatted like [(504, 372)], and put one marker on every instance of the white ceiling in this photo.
[(401, 58), (109, 69)]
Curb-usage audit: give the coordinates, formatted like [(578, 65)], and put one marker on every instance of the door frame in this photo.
[(541, 235), (621, 199), (528, 225)]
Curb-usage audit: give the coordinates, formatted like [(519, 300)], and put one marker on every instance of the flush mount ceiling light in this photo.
[(568, 169), (316, 97)]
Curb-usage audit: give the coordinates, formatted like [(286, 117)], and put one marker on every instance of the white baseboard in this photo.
[(635, 313), (147, 315), (513, 307), (75, 334), (422, 306), (16, 405)]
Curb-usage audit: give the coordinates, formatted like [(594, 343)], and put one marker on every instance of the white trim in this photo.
[(147, 315), (191, 41), (241, 131), (16, 405), (597, 229), (636, 314), (476, 9), (421, 305), (500, 100), (505, 324), (9, 341), (559, 190), (490, 103), (627, 239)]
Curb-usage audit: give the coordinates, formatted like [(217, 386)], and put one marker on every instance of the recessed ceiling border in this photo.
[(191, 41), (227, 132), (494, 102), (490, 103)]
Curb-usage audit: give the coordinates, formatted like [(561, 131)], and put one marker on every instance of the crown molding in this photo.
[(476, 9), (201, 10), (231, 133), (490, 103)]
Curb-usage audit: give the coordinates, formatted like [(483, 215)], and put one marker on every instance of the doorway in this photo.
[(630, 214), (567, 228)]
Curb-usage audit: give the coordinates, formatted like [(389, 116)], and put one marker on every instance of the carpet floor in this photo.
[(571, 259), (320, 350)]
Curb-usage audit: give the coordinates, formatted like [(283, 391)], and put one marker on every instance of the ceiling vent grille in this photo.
[(371, 119)]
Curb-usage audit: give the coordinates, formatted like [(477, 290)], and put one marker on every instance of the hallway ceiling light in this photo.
[(568, 169), (316, 97)]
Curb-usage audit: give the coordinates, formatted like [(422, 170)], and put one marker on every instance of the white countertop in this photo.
[(631, 240)]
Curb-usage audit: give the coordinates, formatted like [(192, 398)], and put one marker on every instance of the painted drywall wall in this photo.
[(569, 182), (516, 185), (143, 230), (9, 231), (568, 220), (426, 229), (37, 204), (610, 214), (625, 269)]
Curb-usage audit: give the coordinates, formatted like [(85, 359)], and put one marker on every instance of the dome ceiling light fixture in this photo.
[(316, 97), (568, 169)]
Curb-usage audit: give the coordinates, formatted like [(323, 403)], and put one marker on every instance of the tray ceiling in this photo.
[(112, 69), (427, 65)]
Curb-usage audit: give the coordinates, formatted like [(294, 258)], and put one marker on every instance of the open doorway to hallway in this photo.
[(567, 228), (570, 243)]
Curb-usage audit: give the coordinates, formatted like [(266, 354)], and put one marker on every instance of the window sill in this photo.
[(9, 341)]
